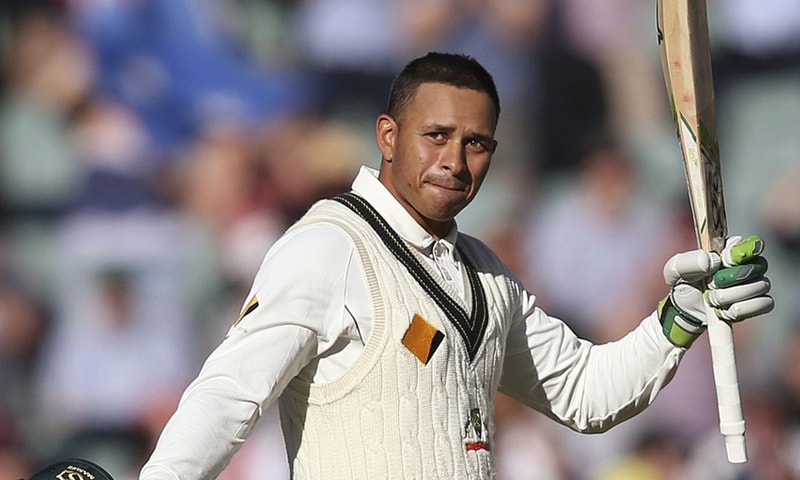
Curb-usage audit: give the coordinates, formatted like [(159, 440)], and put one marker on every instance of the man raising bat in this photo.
[(384, 332)]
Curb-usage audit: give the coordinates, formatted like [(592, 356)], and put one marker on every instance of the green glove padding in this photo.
[(737, 291)]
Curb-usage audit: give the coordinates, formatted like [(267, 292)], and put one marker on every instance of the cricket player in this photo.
[(384, 333)]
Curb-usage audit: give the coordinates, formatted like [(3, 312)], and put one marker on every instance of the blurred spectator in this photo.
[(248, 185), (122, 345), (310, 159), (524, 449), (220, 188), (23, 323), (779, 208), (601, 71), (175, 64), (788, 392), (754, 38), (768, 445), (573, 105), (114, 151), (48, 74), (605, 229), (656, 455), (351, 47), (780, 216), (616, 38)]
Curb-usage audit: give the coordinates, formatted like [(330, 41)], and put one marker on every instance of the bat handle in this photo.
[(731, 419)]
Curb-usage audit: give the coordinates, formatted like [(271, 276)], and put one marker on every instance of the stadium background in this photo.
[(152, 150)]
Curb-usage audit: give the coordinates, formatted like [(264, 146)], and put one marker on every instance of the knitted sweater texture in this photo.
[(392, 416)]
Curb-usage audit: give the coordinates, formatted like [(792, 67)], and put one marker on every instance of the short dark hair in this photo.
[(458, 70)]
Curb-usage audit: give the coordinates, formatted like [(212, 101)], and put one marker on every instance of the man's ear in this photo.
[(386, 134)]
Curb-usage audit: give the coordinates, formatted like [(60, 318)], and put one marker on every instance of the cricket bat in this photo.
[(683, 39)]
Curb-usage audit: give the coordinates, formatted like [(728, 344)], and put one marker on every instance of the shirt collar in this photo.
[(372, 190)]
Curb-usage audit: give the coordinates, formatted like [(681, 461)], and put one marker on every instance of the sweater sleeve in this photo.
[(587, 387)]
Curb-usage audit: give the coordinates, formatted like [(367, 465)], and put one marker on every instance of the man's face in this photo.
[(436, 155)]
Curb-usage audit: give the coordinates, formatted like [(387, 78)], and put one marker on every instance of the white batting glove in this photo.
[(737, 291)]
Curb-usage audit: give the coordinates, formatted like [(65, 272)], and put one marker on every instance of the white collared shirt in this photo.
[(314, 316)]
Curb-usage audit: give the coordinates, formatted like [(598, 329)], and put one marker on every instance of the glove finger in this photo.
[(738, 274), (724, 297), (690, 266), (740, 250), (747, 309)]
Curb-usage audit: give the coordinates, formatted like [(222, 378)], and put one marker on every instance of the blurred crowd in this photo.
[(152, 150)]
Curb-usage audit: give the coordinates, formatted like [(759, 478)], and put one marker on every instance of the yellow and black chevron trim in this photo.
[(251, 305), (472, 325)]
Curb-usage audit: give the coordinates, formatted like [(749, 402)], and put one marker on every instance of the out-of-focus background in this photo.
[(152, 150)]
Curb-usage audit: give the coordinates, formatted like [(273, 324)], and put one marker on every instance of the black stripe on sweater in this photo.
[(471, 327)]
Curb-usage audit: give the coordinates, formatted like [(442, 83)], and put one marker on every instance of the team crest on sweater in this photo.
[(476, 436)]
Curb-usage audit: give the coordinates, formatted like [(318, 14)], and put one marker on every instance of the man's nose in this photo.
[(454, 157)]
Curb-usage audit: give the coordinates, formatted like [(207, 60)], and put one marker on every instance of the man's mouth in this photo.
[(451, 184)]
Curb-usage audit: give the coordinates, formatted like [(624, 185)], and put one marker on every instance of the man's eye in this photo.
[(438, 136), (476, 145)]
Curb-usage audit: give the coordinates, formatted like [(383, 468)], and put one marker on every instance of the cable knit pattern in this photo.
[(391, 416)]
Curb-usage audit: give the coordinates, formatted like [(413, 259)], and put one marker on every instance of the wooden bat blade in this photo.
[(686, 61), (684, 47)]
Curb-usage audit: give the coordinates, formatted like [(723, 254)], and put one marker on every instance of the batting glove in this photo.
[(732, 283)]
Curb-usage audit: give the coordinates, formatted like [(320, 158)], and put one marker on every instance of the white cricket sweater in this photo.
[(390, 415)]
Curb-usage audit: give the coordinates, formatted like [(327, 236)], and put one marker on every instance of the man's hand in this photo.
[(732, 283)]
